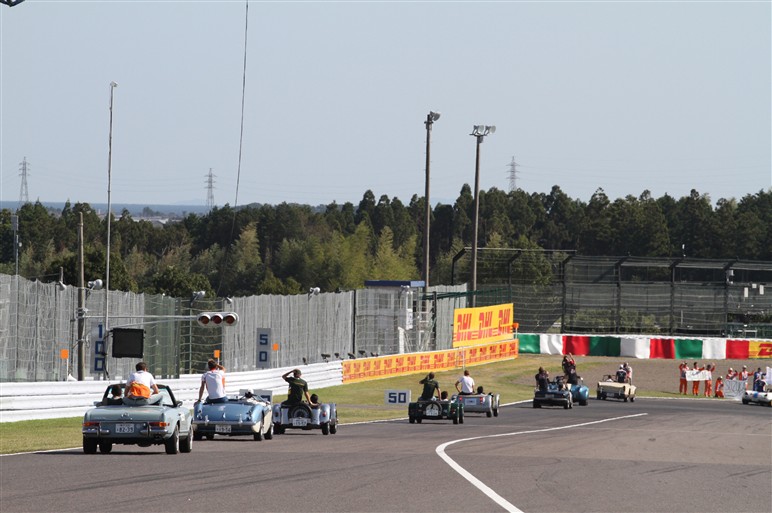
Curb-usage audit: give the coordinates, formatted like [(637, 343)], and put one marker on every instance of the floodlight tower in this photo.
[(430, 119), (479, 132)]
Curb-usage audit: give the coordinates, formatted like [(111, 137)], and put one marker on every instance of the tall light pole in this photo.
[(113, 85), (479, 131), (430, 119)]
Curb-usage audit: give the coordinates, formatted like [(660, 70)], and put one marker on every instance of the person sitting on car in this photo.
[(621, 374), (542, 379), (214, 382), (115, 396), (297, 388), (139, 386), (314, 401), (467, 384), (480, 390), (430, 385)]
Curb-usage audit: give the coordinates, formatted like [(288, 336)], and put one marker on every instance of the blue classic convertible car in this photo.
[(248, 414), (167, 423)]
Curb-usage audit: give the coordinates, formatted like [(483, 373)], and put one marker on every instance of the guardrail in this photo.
[(61, 399)]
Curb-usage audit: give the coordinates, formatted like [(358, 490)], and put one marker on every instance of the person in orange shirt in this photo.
[(719, 387), (696, 384), (682, 373), (744, 376), (709, 381)]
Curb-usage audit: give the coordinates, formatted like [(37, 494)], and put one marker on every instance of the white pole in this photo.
[(113, 85)]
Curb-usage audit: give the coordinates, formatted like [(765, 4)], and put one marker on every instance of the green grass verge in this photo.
[(357, 402)]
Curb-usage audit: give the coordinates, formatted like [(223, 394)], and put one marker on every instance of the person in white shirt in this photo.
[(467, 384), (214, 382), (139, 387)]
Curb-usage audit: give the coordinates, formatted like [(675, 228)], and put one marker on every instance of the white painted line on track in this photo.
[(498, 499)]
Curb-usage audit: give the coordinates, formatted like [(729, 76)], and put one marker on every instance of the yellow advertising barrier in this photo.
[(759, 349), (474, 326), (395, 365)]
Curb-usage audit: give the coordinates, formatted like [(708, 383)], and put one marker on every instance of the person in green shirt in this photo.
[(430, 385), (297, 388)]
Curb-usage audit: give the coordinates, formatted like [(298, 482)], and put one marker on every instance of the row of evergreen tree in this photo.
[(286, 248)]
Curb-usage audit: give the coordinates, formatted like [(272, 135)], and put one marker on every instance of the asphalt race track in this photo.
[(653, 455)]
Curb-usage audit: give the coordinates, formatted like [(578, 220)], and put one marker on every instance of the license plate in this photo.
[(219, 428), (471, 401), (432, 413), (300, 422), (124, 428)]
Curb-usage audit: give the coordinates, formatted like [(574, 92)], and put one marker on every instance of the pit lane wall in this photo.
[(395, 365), (62, 399), (644, 347)]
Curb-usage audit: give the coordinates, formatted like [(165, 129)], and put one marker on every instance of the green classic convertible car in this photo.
[(167, 423)]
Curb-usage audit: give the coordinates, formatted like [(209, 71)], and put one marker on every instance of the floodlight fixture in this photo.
[(95, 285)]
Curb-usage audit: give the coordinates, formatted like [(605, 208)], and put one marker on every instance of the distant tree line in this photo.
[(287, 248)]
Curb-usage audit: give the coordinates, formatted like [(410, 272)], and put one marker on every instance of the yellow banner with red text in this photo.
[(474, 326), (395, 365)]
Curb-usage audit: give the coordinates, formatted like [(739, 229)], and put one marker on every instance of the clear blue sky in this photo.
[(627, 96)]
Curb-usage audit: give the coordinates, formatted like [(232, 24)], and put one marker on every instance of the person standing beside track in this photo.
[(709, 380), (719, 388), (682, 376), (695, 383)]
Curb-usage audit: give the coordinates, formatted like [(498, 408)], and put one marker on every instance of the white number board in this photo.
[(397, 396), (264, 343)]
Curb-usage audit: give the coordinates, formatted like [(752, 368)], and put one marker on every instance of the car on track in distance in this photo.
[(434, 409), (305, 416), (167, 423), (764, 398), (609, 388), (556, 394), (479, 403), (247, 414)]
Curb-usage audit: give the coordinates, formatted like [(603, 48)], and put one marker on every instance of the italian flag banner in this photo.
[(642, 347)]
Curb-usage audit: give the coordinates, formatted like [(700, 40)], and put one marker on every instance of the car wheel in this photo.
[(269, 433), (745, 401), (632, 399), (597, 396), (489, 414), (278, 430), (186, 444), (419, 419), (566, 406), (259, 435), (583, 403), (455, 418), (411, 419), (495, 412), (90, 445), (105, 447), (210, 436), (173, 442), (461, 417), (326, 428), (333, 427), (197, 436), (300, 411), (625, 398)]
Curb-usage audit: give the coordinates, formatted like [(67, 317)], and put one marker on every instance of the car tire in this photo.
[(455, 418), (278, 430), (258, 437), (461, 417), (90, 445), (105, 447), (583, 403), (301, 411), (632, 399), (197, 436), (333, 427), (745, 401), (495, 412), (418, 419), (326, 428), (269, 434), (186, 444), (489, 414), (625, 398), (172, 443), (411, 419), (567, 405), (536, 405)]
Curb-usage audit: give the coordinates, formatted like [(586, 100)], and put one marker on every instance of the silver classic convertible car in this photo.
[(248, 414), (167, 423)]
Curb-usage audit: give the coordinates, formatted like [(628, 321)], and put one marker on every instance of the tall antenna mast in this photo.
[(513, 175)]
